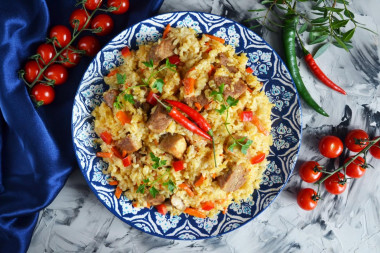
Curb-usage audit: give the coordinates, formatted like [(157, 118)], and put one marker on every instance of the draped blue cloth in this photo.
[(36, 152)]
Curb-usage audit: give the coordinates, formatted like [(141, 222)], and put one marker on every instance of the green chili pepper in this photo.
[(289, 37)]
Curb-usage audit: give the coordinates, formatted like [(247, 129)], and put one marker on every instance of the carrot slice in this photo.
[(187, 188), (212, 70), (166, 31), (208, 205), (104, 154), (215, 38), (200, 181), (195, 212), (213, 175), (123, 117), (249, 89), (114, 182), (189, 84), (198, 106), (112, 73), (134, 204), (224, 210), (256, 121), (118, 192), (249, 70), (126, 52)]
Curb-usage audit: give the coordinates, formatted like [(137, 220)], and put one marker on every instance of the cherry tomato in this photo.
[(56, 72), (71, 55), (103, 21), (92, 4), (32, 69), (47, 52), (336, 184), (330, 146), (375, 149), (356, 140), (62, 34), (308, 172), (81, 16), (123, 6), (90, 44), (307, 199), (43, 93), (355, 168)]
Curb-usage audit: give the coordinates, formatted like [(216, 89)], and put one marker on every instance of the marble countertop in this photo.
[(77, 222)]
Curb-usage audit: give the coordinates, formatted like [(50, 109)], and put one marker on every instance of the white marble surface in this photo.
[(77, 222)]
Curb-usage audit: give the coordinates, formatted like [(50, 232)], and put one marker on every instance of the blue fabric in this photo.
[(36, 153)]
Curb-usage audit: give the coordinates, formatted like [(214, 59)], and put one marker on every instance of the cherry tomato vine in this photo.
[(335, 181), (48, 67)]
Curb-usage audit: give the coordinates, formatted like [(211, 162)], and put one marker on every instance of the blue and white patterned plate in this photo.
[(286, 130)]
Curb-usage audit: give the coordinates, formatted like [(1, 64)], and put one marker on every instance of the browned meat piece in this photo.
[(144, 106), (158, 200), (224, 61), (177, 202), (128, 144), (238, 89), (159, 120), (201, 99), (233, 179), (110, 97), (222, 79), (174, 144), (162, 50)]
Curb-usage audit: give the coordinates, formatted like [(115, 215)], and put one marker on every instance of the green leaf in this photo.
[(348, 35), (153, 191), (348, 45), (170, 185), (146, 180), (339, 23), (141, 189), (302, 28), (321, 50), (332, 9), (129, 98), (319, 20), (348, 14), (319, 39), (170, 65), (221, 88), (232, 101), (267, 2), (117, 105), (232, 146), (158, 84), (149, 64), (157, 161), (340, 42), (246, 146), (222, 109), (121, 78)]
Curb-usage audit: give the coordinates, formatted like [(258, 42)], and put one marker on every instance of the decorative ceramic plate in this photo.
[(286, 126)]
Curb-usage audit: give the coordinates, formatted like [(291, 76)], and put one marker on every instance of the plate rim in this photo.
[(131, 224)]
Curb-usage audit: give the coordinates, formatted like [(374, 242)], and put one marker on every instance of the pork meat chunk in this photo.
[(226, 62), (154, 201), (159, 120), (110, 97), (235, 90), (174, 144), (128, 144), (162, 50), (233, 179)]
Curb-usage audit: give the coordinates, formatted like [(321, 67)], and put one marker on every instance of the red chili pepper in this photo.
[(174, 59), (151, 98), (319, 74), (178, 165), (162, 209), (258, 158), (193, 114), (246, 116)]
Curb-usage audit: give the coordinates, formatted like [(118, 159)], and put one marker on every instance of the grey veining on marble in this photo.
[(77, 222)]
